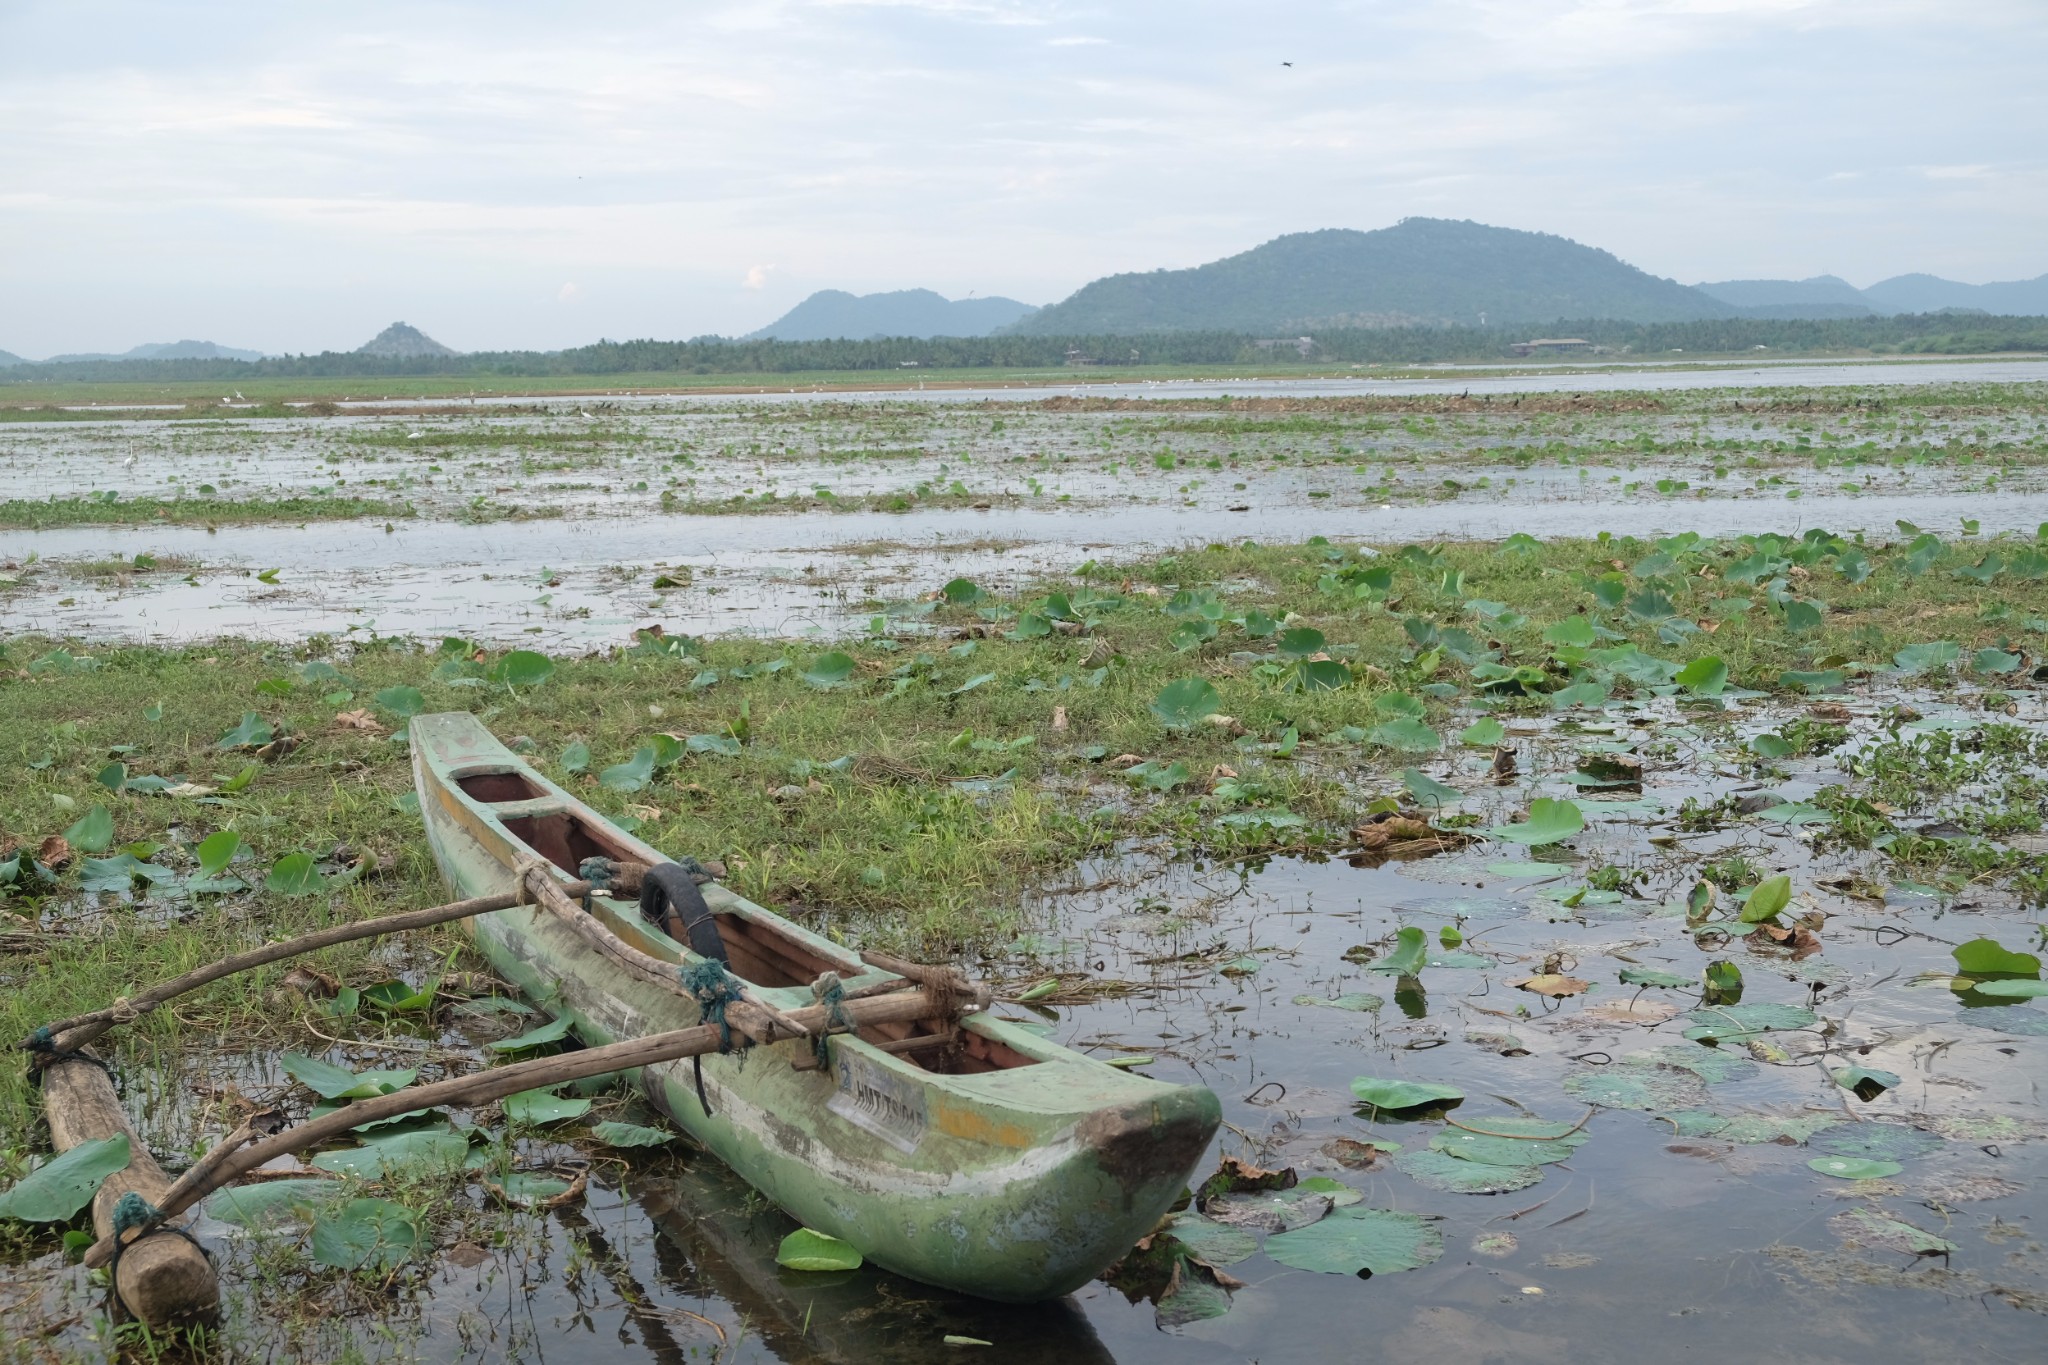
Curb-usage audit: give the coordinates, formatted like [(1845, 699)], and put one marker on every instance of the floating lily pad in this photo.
[(551, 1032), (365, 1234), (1646, 976), (1459, 961), (1269, 1210), (1439, 1171), (1740, 1023), (1748, 1129), (1358, 1003), (1854, 1168), (1876, 1141), (1710, 1064), (1866, 1083), (1637, 1085), (377, 1156), (808, 1250), (542, 1106), (1411, 950), (271, 1203), (1988, 957), (1213, 1242), (1360, 1241), (1757, 1129), (2022, 1020), (1382, 1094), (332, 1082), (1519, 870), (631, 1135), (1337, 1192), (1985, 1128), (1509, 1150), (1550, 821), (2018, 989), (56, 1190)]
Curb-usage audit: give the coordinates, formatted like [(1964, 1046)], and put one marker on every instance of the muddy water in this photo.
[(766, 575), (825, 460), (1521, 379)]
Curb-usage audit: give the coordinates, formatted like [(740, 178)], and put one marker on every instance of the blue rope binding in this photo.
[(714, 989)]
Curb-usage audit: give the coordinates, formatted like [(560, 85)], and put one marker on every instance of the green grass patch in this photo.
[(911, 787), (33, 514)]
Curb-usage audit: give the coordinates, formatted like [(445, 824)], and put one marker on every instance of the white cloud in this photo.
[(402, 156)]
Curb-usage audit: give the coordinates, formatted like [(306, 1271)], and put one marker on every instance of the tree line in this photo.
[(1923, 334)]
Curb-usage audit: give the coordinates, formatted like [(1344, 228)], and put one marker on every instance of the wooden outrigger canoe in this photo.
[(968, 1154)]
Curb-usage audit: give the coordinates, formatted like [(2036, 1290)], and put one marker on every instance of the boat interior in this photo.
[(757, 951)]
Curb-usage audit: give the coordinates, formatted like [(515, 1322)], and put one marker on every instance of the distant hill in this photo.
[(8, 358), (1825, 296), (405, 341), (190, 350), (1422, 271), (832, 314), (164, 350), (1928, 294), (1803, 298)]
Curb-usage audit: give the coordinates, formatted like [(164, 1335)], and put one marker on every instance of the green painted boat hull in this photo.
[(1020, 1183)]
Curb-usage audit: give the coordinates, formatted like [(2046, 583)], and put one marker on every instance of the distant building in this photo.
[(1302, 345), (1551, 346), (1074, 357)]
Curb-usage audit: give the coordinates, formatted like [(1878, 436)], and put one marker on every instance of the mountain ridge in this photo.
[(835, 314), (1901, 294), (402, 339), (1421, 271)]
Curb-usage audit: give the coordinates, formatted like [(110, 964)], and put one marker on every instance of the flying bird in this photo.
[(1287, 63)]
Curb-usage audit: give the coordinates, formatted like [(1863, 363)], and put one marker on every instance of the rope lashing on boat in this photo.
[(44, 1054), (828, 990), (714, 989), (669, 898), (598, 871), (521, 871), (133, 1213), (698, 872)]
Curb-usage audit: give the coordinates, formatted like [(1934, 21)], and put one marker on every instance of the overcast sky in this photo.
[(294, 177)]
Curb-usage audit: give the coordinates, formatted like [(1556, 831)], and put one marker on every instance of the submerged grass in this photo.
[(34, 514), (909, 789)]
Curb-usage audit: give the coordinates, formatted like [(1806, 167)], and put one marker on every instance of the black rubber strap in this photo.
[(697, 1071), (669, 898)]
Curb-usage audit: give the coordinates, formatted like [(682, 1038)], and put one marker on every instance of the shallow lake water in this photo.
[(570, 585), (1690, 1221), (1690, 1216)]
